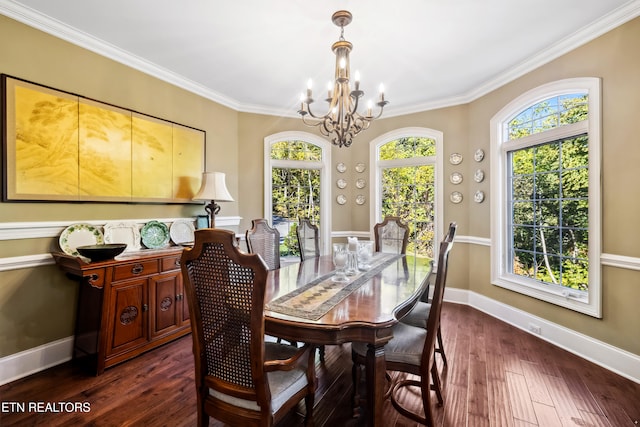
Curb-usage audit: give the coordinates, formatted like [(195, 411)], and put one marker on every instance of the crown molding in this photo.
[(56, 28)]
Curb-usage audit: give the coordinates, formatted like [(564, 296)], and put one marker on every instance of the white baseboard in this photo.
[(19, 365), (609, 357)]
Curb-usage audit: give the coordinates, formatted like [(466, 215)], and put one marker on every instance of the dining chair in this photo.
[(391, 235), (308, 241), (412, 350), (264, 240), (241, 380), (420, 312)]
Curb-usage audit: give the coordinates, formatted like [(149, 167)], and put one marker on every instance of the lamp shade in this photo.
[(213, 188)]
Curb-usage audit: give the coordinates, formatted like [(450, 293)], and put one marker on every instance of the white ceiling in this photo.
[(256, 55)]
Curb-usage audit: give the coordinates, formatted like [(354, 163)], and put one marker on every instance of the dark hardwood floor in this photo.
[(497, 376)]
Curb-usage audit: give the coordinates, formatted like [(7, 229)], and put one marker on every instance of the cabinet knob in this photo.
[(137, 269), (179, 297), (177, 263)]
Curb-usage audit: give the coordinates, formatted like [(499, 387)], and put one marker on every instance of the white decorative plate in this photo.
[(455, 158), (123, 232), (456, 197), (360, 167), (341, 167), (479, 196), (155, 235), (478, 176), (79, 235), (341, 183), (479, 155), (361, 183), (456, 178), (182, 231), (341, 199), (360, 199)]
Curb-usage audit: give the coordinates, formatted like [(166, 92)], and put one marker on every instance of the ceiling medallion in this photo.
[(342, 122)]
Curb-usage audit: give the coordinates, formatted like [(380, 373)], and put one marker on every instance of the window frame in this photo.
[(500, 232), (325, 177), (378, 165)]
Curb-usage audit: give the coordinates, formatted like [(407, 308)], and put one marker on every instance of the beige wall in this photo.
[(613, 57), (37, 305)]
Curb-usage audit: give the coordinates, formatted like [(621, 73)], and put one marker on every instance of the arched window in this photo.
[(296, 186), (407, 177), (545, 172)]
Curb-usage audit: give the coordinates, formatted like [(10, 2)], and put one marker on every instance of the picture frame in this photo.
[(59, 146)]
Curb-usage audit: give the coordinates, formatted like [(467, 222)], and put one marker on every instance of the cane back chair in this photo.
[(240, 379)]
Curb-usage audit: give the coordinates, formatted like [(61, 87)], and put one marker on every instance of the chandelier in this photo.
[(343, 121)]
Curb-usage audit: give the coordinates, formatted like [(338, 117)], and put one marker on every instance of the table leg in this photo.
[(376, 369)]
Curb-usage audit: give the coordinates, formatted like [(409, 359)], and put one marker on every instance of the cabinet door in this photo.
[(166, 306), (128, 320)]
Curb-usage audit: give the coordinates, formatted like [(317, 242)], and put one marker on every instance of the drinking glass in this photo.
[(340, 262), (365, 253)]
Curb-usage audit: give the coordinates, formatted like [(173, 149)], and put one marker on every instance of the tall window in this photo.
[(295, 185), (407, 184), (546, 176)]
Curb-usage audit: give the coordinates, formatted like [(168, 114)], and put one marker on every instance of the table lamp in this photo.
[(213, 188)]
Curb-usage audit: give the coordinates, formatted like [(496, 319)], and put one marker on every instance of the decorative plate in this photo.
[(361, 183), (360, 167), (456, 178), (181, 231), (155, 235), (455, 158), (123, 232), (341, 199), (79, 235), (479, 155), (341, 183), (478, 176), (360, 199), (479, 196), (340, 167), (456, 197)]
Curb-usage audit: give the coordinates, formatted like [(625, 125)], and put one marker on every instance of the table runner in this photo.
[(315, 299)]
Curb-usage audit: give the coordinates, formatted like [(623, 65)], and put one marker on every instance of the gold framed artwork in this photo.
[(58, 146)]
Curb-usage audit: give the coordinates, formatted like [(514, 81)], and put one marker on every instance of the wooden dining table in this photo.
[(304, 304)]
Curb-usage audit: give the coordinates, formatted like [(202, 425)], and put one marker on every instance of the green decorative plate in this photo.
[(79, 235), (155, 235)]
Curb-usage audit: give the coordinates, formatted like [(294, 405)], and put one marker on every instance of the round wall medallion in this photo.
[(456, 178), (360, 167), (478, 176), (360, 199), (341, 183), (361, 183), (341, 199), (479, 196), (340, 167), (479, 155), (455, 197), (455, 158)]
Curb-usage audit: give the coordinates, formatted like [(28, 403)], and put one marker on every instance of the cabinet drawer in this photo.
[(171, 263), (135, 269)]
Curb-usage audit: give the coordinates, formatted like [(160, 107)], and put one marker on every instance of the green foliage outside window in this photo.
[(408, 191), (295, 191), (549, 196)]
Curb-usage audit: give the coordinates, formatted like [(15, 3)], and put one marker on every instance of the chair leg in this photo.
[(355, 378), (437, 384), (440, 347), (321, 353)]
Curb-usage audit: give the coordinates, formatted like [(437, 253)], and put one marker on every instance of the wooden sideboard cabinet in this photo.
[(126, 306)]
